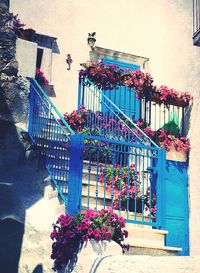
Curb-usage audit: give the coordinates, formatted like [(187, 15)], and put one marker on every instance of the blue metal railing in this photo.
[(105, 118), (94, 171), (51, 138), (196, 22), (125, 176), (160, 116)]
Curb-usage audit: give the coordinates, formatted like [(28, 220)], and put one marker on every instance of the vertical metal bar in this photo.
[(97, 175), (149, 113), (75, 174), (89, 179), (79, 93), (161, 188), (183, 121), (193, 18), (31, 109), (83, 94)]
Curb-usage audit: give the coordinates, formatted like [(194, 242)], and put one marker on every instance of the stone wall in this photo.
[(20, 178), (14, 90)]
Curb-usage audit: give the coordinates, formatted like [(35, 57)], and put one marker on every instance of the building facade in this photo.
[(159, 31)]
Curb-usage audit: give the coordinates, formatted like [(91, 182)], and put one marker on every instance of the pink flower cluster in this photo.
[(77, 119), (168, 96), (92, 123), (140, 81), (145, 128), (164, 139), (108, 77), (103, 76), (167, 140), (69, 232), (40, 77), (123, 182), (150, 204)]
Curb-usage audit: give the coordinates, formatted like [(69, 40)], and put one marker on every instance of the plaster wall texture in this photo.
[(148, 264), (26, 56), (46, 64), (160, 30)]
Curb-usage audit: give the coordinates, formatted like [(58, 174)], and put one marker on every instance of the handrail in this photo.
[(120, 142), (53, 106), (122, 113)]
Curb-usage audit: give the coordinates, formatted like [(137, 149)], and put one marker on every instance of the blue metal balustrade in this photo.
[(196, 22), (94, 171), (50, 137), (163, 116), (125, 176), (105, 118)]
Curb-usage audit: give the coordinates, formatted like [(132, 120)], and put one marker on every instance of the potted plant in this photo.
[(169, 96), (109, 77), (26, 34), (124, 183), (70, 233), (177, 147), (40, 77)]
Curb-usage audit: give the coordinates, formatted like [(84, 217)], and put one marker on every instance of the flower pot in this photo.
[(26, 34), (175, 155), (132, 206), (156, 99), (88, 252), (177, 102)]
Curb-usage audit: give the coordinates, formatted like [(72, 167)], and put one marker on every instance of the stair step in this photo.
[(92, 165), (93, 186), (50, 191), (146, 236), (46, 140), (152, 250)]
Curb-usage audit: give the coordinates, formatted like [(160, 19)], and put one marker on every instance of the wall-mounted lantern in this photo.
[(69, 61), (91, 40)]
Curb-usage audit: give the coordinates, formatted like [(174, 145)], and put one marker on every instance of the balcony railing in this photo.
[(196, 22)]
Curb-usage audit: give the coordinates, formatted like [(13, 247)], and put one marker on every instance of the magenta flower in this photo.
[(79, 227), (90, 232)]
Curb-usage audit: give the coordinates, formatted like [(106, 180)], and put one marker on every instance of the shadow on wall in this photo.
[(19, 177), (38, 269), (20, 188)]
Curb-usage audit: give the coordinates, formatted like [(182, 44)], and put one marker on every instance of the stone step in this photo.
[(145, 235), (50, 192), (101, 199), (92, 186), (93, 175), (91, 165), (151, 250)]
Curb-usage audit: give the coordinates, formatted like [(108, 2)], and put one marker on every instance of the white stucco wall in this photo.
[(160, 30), (26, 53)]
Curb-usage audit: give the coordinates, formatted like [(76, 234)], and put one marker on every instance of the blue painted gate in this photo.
[(177, 222)]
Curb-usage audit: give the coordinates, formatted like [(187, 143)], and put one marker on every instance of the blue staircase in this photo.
[(115, 164), (73, 158)]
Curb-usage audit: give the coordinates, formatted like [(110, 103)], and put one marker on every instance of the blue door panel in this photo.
[(124, 98), (177, 220), (176, 187), (179, 236)]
